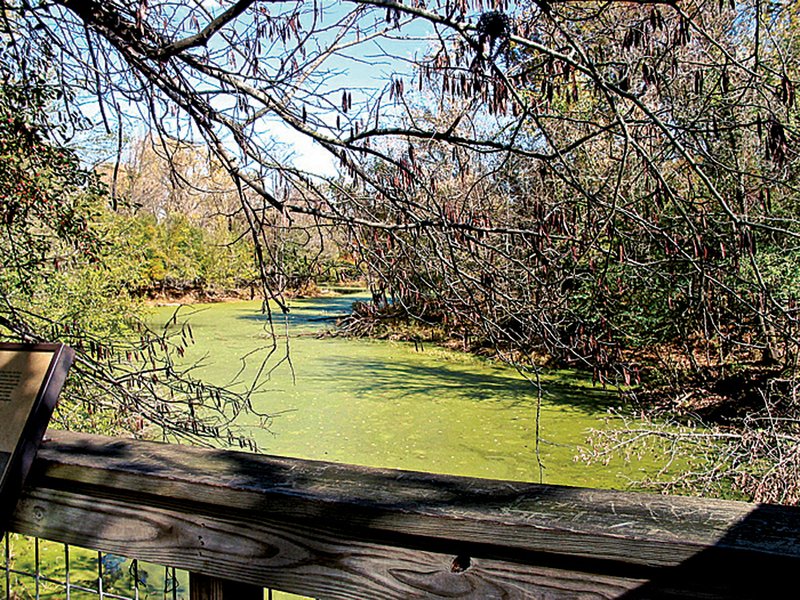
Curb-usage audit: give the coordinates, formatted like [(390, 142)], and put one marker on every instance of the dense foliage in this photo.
[(610, 185), (53, 282), (70, 272), (631, 205), (174, 256)]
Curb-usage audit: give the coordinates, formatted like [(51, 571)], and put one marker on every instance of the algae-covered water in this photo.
[(368, 402), (392, 404)]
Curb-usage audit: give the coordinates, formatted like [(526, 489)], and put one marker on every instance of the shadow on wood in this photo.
[(340, 531), (202, 587)]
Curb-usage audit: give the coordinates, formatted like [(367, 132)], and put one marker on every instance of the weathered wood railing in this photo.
[(338, 531)]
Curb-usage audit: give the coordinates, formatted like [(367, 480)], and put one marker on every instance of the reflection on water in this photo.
[(387, 404)]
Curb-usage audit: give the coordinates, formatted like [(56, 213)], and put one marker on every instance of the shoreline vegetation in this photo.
[(629, 209), (716, 394), (673, 409), (715, 414)]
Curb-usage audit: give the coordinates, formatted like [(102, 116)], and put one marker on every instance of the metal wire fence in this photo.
[(36, 569), (39, 569)]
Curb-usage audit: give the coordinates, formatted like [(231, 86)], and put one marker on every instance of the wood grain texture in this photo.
[(339, 531)]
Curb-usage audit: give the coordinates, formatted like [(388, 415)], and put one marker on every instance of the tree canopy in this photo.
[(575, 179)]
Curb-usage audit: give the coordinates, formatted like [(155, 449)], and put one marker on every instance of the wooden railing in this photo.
[(338, 531)]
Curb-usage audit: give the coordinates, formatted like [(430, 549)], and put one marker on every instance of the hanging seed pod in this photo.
[(683, 35), (698, 82), (786, 92), (777, 145), (656, 20)]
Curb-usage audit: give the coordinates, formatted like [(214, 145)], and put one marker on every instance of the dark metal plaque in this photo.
[(31, 378)]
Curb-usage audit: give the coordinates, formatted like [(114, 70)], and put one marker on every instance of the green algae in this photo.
[(393, 404), (369, 402)]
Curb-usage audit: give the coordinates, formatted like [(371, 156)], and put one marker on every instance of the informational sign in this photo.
[(31, 378)]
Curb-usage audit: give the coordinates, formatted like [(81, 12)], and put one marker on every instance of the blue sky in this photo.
[(365, 70)]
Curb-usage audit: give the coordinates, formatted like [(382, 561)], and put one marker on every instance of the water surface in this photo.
[(391, 404), (368, 402)]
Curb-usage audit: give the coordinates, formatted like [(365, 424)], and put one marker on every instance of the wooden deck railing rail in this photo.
[(339, 531)]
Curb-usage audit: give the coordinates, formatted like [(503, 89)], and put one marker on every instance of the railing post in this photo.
[(203, 587)]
